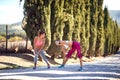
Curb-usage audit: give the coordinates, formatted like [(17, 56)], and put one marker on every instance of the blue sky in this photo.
[(12, 12)]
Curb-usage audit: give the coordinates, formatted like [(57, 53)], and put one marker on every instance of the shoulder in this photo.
[(67, 41), (44, 39), (36, 38)]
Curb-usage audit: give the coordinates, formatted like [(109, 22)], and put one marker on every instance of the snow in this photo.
[(107, 68)]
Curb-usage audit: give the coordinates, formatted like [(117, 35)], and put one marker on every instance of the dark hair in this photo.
[(41, 32)]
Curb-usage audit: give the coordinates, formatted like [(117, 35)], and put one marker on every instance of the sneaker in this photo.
[(80, 69), (61, 66), (34, 68), (48, 66)]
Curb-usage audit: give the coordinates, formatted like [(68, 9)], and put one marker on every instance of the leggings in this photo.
[(75, 46), (42, 54)]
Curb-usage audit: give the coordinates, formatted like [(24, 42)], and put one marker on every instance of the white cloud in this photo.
[(112, 4)]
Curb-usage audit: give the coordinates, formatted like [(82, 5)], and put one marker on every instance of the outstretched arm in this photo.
[(61, 43), (63, 49)]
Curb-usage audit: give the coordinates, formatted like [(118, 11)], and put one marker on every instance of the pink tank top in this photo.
[(38, 43)]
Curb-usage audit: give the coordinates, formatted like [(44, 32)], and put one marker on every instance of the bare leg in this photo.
[(64, 56), (81, 64), (63, 52), (64, 62), (67, 57)]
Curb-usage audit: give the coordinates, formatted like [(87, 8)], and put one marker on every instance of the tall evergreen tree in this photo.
[(100, 31), (82, 20), (106, 24), (83, 27), (37, 16), (117, 38), (77, 20), (68, 19), (87, 26), (93, 26), (57, 25)]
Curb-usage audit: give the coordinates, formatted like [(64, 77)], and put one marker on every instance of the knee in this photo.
[(79, 55), (42, 51), (35, 59)]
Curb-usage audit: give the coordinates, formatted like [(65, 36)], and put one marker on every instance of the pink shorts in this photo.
[(75, 46)]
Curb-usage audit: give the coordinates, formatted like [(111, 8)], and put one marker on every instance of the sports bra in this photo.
[(38, 43)]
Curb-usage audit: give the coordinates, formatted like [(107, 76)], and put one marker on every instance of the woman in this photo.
[(39, 42), (73, 46)]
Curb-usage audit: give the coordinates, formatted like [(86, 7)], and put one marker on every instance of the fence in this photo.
[(13, 40)]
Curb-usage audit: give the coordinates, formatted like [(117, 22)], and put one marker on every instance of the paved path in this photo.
[(105, 69)]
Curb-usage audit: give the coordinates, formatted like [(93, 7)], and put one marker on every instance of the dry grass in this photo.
[(16, 60), (15, 46)]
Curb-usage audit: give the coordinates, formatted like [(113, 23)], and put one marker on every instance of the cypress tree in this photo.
[(57, 26), (106, 24), (68, 19), (117, 40), (100, 31), (83, 27), (87, 26), (93, 27), (80, 20), (37, 16), (77, 20), (79, 23)]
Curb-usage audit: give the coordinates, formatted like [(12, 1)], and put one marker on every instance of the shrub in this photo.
[(16, 38), (2, 38)]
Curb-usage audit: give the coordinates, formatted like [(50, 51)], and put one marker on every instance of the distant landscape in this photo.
[(13, 28), (115, 15)]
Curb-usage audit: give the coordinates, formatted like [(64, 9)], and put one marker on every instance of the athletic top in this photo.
[(67, 41), (65, 45), (38, 43)]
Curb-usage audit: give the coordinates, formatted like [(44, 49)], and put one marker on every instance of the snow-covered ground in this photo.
[(104, 69)]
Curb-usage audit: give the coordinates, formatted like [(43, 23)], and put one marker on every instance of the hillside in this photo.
[(13, 28), (115, 14)]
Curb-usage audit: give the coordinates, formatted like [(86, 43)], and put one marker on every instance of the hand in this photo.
[(33, 51), (57, 42)]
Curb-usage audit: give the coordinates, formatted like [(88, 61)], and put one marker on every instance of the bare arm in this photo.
[(63, 49), (35, 39), (64, 43)]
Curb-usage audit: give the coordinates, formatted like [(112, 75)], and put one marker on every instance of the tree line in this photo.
[(82, 20)]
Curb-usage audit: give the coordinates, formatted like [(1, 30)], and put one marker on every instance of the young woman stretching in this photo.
[(73, 46), (39, 42)]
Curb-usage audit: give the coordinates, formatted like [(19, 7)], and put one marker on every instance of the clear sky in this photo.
[(12, 12), (112, 4)]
